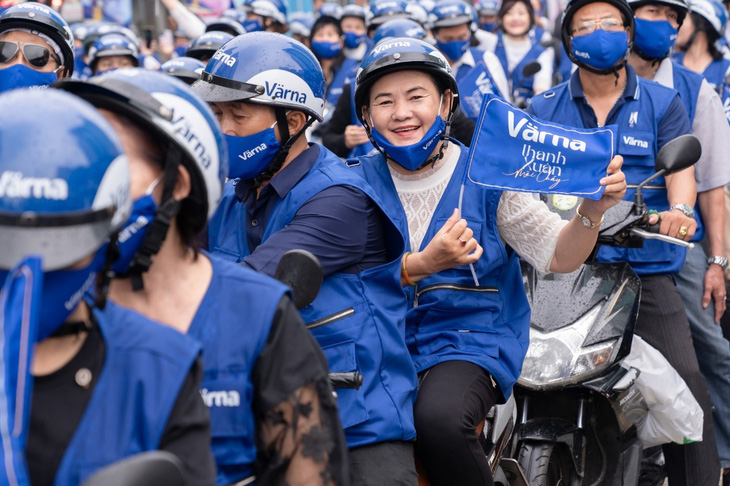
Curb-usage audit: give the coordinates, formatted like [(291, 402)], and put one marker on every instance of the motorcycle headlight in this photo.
[(559, 358)]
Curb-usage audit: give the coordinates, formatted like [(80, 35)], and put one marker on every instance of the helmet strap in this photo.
[(287, 140), (157, 232), (106, 274), (691, 40)]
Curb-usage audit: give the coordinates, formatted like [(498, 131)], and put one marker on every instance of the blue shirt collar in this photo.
[(630, 92)]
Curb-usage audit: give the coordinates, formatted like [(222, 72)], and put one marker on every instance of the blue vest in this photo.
[(474, 82), (688, 83), (363, 148), (145, 365), (360, 317), (347, 70), (450, 318), (716, 71), (518, 83), (238, 302), (638, 122)]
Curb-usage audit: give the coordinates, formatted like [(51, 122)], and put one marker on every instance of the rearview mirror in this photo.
[(531, 69), (678, 154), (144, 469), (302, 272)]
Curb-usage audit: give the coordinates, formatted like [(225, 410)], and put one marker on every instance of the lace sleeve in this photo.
[(299, 436), (529, 227)]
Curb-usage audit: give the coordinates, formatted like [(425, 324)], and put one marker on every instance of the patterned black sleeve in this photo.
[(299, 435)]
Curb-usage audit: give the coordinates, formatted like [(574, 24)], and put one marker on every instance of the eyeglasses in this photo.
[(37, 56), (590, 26)]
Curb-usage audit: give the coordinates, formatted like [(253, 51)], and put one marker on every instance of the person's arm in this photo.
[(186, 20), (299, 435), (712, 173), (325, 226), (187, 434), (712, 206), (333, 134), (681, 186)]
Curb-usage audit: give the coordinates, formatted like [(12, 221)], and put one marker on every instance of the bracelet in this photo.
[(404, 272)]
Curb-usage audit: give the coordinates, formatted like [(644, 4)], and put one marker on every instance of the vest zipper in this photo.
[(456, 287), (330, 318)]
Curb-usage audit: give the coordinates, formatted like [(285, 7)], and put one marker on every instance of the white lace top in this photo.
[(524, 222)]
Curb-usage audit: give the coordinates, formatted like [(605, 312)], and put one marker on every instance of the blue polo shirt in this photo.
[(674, 123), (340, 225)]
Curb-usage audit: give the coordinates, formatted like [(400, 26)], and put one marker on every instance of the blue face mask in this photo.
[(326, 50), (352, 39), (654, 37), (62, 292), (601, 49), (79, 52), (21, 76), (252, 25), (454, 50), (131, 236), (181, 50), (489, 26), (412, 157), (249, 156)]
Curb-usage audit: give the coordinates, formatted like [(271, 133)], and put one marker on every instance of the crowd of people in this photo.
[(148, 191)]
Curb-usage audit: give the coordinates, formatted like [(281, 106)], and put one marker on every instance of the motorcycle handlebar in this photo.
[(352, 379), (648, 235)]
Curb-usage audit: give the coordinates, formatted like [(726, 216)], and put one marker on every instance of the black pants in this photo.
[(385, 463), (663, 323), (454, 397)]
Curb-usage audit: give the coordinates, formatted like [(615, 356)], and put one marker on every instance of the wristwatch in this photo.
[(686, 209), (587, 222), (718, 260)]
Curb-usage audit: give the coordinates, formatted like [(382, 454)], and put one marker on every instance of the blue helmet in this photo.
[(400, 54), (38, 17), (713, 11), (300, 23), (185, 69), (399, 28), (75, 194), (226, 24), (417, 13), (234, 14), (98, 30), (354, 11), (383, 10), (449, 13), (273, 9), (177, 118), (266, 68), (204, 47), (112, 45), (330, 9), (487, 7)]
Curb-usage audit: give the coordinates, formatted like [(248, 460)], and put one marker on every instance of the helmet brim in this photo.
[(60, 246)]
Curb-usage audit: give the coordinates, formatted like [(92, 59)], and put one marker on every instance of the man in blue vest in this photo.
[(477, 72), (266, 89), (604, 90), (701, 279)]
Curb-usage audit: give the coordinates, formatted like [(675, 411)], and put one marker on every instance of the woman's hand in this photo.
[(614, 192), (355, 135), (454, 245)]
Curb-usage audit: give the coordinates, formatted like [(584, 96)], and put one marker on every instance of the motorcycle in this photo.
[(578, 407)]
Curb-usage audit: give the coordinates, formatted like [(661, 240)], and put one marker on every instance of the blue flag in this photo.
[(473, 87), (19, 310), (514, 151)]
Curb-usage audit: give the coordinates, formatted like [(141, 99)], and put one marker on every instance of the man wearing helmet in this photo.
[(353, 21), (267, 16), (36, 47), (477, 72), (112, 51), (108, 383), (266, 89), (701, 279), (604, 90)]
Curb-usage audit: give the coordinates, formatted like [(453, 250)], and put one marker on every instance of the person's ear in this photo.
[(365, 117), (183, 185), (296, 120)]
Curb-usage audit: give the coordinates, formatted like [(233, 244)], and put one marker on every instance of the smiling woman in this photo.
[(458, 272)]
